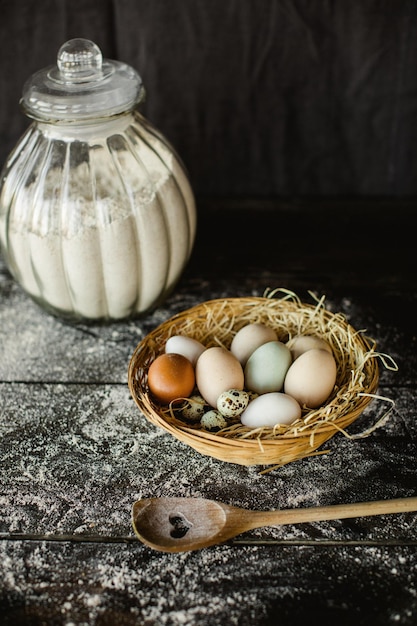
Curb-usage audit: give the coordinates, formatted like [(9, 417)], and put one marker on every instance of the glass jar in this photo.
[(97, 216)]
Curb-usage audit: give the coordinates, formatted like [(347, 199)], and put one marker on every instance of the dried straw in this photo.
[(214, 323)]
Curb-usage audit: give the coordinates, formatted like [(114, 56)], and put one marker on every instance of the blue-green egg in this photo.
[(267, 366)]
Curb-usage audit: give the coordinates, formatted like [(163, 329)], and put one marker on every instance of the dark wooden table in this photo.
[(75, 451)]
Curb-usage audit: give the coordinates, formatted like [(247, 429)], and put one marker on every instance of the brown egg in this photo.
[(218, 370), (171, 376)]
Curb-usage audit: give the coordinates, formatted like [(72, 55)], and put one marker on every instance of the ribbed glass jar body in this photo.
[(97, 219)]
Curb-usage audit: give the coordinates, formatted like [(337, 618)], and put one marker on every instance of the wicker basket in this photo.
[(214, 323)]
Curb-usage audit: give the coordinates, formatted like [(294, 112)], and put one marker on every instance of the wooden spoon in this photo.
[(182, 524)]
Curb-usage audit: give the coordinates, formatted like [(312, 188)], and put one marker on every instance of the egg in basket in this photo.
[(266, 380)]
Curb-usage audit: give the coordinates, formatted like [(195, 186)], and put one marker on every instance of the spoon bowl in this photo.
[(176, 524), (179, 524)]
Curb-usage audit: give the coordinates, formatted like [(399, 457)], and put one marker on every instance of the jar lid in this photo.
[(81, 86)]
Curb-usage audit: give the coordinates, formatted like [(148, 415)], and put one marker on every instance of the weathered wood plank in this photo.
[(62, 583), (75, 457)]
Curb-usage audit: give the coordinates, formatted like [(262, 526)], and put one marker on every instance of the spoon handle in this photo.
[(333, 512)]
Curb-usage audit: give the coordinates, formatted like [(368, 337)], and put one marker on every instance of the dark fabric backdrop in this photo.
[(259, 97)]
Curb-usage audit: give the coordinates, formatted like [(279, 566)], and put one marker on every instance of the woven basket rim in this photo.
[(211, 323)]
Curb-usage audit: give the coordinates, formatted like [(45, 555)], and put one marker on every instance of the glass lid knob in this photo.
[(79, 60)]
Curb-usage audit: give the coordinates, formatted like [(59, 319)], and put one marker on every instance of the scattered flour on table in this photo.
[(210, 587)]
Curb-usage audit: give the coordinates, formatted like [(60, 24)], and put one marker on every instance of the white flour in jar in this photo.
[(129, 246)]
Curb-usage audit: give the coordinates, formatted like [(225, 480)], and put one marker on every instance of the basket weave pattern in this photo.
[(214, 323)]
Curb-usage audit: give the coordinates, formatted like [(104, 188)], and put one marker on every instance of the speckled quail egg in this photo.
[(213, 421), (232, 403), (193, 409)]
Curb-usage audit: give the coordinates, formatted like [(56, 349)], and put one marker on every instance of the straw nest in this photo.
[(214, 323)]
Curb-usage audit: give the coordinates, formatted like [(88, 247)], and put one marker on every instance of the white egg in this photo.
[(270, 409), (311, 378), (250, 337), (187, 346)]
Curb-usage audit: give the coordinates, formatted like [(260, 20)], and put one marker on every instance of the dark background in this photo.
[(261, 98), (297, 121)]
